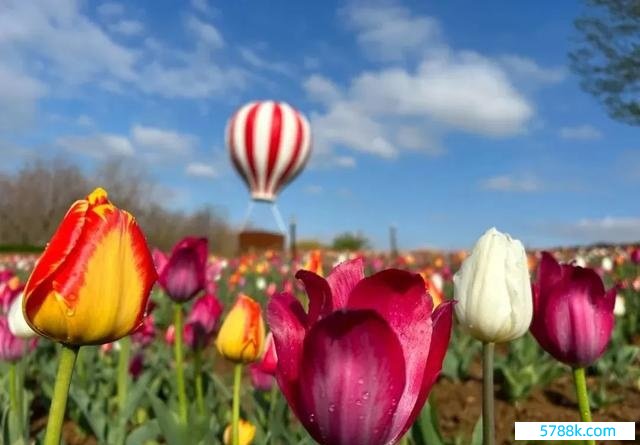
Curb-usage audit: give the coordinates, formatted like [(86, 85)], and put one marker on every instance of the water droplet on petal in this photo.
[(365, 395), (332, 408)]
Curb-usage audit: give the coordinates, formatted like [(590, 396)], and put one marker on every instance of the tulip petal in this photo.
[(343, 278), (351, 379), (442, 319), (287, 321), (400, 297), (184, 274), (61, 244), (319, 293), (160, 260)]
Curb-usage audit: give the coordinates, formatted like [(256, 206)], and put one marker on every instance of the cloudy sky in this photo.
[(438, 117)]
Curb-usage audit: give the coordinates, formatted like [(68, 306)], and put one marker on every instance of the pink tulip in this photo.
[(146, 333), (572, 314), (10, 288), (183, 275), (12, 348), (262, 372), (358, 367), (202, 321), (170, 335)]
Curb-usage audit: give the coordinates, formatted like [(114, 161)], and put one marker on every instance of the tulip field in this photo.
[(104, 340)]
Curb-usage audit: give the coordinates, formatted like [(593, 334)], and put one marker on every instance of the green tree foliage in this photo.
[(350, 242), (607, 56)]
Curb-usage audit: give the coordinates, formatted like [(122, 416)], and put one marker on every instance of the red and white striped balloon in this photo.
[(269, 144)]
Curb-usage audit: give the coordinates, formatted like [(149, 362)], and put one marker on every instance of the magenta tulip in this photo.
[(635, 255), (136, 366), (146, 333), (183, 275), (358, 367), (572, 314)]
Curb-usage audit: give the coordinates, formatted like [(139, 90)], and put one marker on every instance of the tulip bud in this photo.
[(573, 317), (493, 289), (241, 337), (17, 324), (247, 433), (92, 283), (184, 274)]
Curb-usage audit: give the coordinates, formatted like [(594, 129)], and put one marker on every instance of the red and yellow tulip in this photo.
[(242, 335), (92, 283)]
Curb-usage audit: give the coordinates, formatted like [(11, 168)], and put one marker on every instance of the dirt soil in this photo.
[(458, 407)]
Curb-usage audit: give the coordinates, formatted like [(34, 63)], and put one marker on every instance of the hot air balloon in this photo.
[(269, 144)]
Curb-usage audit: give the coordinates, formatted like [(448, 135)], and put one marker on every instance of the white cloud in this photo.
[(321, 89), (18, 98), (512, 183), (390, 32), (84, 121), (205, 32), (580, 132), (345, 161), (201, 170), (314, 189), (410, 103), (529, 69), (97, 146), (201, 6), (110, 9), (608, 229), (162, 141), (253, 59), (127, 27)]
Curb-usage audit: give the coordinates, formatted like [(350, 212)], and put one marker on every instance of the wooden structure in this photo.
[(256, 241)]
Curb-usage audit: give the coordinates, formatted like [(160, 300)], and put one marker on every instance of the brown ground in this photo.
[(458, 406)]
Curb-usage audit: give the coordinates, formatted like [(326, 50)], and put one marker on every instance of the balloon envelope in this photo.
[(269, 144)]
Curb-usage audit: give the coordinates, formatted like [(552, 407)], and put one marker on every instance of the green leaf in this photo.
[(173, 431), (476, 436), (142, 434), (425, 430)]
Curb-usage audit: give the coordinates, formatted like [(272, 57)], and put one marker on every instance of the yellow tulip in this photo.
[(242, 335), (247, 433)]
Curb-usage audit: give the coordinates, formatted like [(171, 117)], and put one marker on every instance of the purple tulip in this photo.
[(183, 275), (136, 366), (262, 372), (572, 314), (12, 348), (358, 367)]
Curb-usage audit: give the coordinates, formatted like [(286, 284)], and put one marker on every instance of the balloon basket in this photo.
[(257, 241)]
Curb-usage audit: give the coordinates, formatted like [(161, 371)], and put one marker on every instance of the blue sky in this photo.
[(439, 117)]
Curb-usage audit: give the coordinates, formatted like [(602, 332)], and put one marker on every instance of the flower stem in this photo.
[(177, 349), (15, 393), (235, 413), (68, 356), (488, 422), (199, 386), (583, 398), (123, 371)]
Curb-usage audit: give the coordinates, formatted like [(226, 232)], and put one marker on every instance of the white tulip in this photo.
[(607, 264), (17, 324), (619, 309), (261, 283), (493, 289)]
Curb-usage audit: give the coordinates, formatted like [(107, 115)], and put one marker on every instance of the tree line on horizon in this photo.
[(34, 199)]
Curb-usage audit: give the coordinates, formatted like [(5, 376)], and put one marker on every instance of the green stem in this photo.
[(177, 349), (58, 406), (404, 440), (235, 413), (199, 385), (123, 371), (583, 397), (15, 393), (272, 401), (488, 421)]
